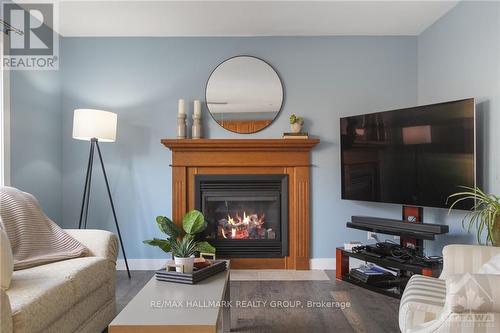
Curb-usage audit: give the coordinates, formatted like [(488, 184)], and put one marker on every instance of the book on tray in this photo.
[(300, 135)]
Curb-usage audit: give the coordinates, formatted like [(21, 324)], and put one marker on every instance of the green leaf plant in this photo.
[(180, 246), (294, 119), (484, 216)]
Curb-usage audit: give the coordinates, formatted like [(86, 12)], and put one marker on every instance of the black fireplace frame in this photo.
[(232, 183)]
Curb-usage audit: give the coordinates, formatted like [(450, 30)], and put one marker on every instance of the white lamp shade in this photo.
[(89, 124)]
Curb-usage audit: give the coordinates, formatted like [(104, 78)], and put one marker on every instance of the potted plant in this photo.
[(296, 123), (484, 215), (183, 248)]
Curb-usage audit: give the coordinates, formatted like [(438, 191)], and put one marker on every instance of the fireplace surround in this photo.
[(247, 215), (227, 157)]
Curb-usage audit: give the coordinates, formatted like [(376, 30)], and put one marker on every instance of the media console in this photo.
[(405, 271), (405, 259)]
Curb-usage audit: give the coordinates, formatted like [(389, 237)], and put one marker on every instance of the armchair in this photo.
[(73, 295), (459, 301)]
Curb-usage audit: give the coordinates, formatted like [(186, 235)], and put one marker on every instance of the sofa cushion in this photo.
[(39, 295), (422, 301), (79, 316), (86, 274)]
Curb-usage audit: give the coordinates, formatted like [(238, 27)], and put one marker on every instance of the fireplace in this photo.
[(196, 162), (247, 214)]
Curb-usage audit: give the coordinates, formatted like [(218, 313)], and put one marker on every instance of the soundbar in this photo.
[(397, 227)]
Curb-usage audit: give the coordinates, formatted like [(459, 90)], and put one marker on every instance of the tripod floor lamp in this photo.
[(94, 126)]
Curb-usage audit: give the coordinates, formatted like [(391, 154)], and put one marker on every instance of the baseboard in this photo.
[(322, 263), (154, 264)]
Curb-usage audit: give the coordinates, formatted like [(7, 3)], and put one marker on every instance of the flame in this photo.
[(242, 227), (246, 219)]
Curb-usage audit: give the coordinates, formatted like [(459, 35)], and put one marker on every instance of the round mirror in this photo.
[(244, 94)]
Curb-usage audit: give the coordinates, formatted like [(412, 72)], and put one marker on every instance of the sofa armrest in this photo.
[(461, 259), (5, 313), (473, 293), (100, 243)]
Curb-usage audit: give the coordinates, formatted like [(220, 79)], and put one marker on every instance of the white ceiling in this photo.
[(248, 18)]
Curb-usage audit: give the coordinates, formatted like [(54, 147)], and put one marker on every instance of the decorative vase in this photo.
[(295, 127), (181, 126), (188, 264), (495, 233)]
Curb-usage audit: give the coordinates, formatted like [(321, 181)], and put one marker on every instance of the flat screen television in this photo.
[(414, 156)]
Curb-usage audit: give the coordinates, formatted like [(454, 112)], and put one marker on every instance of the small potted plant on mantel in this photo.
[(296, 123), (182, 248), (484, 215)]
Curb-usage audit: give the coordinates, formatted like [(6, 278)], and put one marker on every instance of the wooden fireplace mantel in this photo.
[(239, 144), (191, 157)]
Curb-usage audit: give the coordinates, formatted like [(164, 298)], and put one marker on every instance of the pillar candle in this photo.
[(197, 108), (181, 106)]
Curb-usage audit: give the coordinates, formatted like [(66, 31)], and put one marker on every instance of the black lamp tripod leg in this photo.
[(92, 147), (112, 207), (86, 184)]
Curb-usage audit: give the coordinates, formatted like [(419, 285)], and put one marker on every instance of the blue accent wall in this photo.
[(459, 57), (141, 79), (36, 132), (325, 78)]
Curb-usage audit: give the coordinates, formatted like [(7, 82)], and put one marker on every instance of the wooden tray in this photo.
[(198, 275)]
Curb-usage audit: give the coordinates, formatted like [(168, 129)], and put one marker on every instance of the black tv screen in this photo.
[(414, 156)]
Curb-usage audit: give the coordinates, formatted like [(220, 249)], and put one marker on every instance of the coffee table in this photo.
[(173, 307)]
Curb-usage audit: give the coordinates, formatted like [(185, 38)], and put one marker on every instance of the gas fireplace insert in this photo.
[(247, 215)]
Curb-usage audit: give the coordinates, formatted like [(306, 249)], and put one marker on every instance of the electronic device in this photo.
[(398, 253), (371, 274), (350, 245), (397, 227), (414, 156)]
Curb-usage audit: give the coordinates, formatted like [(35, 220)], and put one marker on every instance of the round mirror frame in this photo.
[(282, 93)]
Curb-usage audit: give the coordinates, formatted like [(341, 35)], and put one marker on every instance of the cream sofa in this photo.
[(75, 295), (437, 305)]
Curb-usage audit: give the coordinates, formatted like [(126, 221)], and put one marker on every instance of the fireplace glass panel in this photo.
[(243, 217), (247, 215)]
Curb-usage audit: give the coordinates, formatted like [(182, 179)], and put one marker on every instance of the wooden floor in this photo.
[(368, 311)]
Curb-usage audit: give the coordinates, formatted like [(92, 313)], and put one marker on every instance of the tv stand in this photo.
[(405, 270), (411, 231), (412, 214)]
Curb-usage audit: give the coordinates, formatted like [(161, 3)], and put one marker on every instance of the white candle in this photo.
[(197, 108), (181, 106)]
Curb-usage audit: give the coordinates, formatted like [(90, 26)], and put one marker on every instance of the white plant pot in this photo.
[(295, 128), (186, 262)]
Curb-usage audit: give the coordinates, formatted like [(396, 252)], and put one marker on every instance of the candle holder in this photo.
[(181, 126), (196, 128)]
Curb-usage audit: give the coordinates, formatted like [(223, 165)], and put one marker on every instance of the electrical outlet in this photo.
[(371, 235)]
